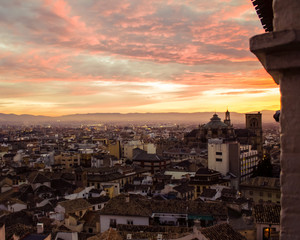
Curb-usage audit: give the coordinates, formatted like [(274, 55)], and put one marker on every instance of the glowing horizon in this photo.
[(61, 57)]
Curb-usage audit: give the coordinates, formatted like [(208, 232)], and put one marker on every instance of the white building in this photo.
[(231, 157)]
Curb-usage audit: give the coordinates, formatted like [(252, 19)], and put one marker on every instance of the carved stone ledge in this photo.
[(277, 51)]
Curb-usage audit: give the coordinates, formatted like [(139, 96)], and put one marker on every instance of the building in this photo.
[(140, 211), (232, 157), (261, 189), (114, 149), (151, 162), (77, 207), (254, 124), (128, 148), (267, 220), (215, 128), (67, 159), (206, 178), (278, 51)]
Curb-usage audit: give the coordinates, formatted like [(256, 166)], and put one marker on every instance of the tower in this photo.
[(254, 124), (227, 118)]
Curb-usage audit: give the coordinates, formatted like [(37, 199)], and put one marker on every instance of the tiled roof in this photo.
[(110, 234), (21, 217), (136, 206), (183, 188), (11, 201), (91, 218), (229, 192), (144, 156), (97, 200), (208, 193), (105, 178), (221, 232), (151, 232), (19, 230), (264, 182), (35, 237), (62, 184), (141, 206), (38, 177), (206, 171), (267, 213), (75, 205)]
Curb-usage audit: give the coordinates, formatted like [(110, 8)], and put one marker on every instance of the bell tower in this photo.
[(227, 118), (254, 124)]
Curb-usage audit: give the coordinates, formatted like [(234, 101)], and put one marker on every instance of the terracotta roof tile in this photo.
[(75, 205), (221, 231), (267, 213)]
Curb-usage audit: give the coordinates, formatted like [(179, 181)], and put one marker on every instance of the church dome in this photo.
[(215, 123)]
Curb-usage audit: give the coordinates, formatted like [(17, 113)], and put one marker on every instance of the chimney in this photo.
[(40, 227)]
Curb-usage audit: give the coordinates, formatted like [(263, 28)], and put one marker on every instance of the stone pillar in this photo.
[(279, 53)]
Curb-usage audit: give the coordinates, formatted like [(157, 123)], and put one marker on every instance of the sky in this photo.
[(62, 57)]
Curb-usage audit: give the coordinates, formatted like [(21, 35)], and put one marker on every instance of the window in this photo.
[(261, 194), (129, 221), (269, 195), (251, 193), (219, 159), (277, 195), (113, 223), (219, 153), (267, 232)]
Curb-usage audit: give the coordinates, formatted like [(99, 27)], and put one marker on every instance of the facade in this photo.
[(261, 189), (114, 149), (267, 220), (67, 159), (77, 207), (137, 210), (12, 205), (128, 148), (231, 157), (249, 159), (215, 128), (151, 162), (206, 178)]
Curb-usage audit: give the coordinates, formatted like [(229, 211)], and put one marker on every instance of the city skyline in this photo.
[(66, 57)]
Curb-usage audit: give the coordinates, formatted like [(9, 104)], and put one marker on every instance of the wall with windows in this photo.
[(107, 221), (218, 156)]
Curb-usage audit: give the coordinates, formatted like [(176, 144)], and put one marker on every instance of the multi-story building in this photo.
[(231, 157), (261, 189), (152, 162), (67, 159), (206, 178), (128, 148)]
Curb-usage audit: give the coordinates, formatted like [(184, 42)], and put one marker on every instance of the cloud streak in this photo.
[(63, 56)]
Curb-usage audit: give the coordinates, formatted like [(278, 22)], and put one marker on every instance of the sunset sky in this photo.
[(86, 56)]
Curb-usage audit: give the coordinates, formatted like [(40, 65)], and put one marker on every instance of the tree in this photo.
[(264, 167)]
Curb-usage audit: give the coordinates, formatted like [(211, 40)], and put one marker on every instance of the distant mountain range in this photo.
[(172, 117)]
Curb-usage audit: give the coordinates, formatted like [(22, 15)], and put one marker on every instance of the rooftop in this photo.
[(221, 231), (78, 204), (267, 213)]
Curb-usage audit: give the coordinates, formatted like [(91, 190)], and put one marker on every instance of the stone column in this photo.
[(279, 53)]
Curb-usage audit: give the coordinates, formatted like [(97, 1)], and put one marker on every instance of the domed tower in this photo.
[(216, 128)]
